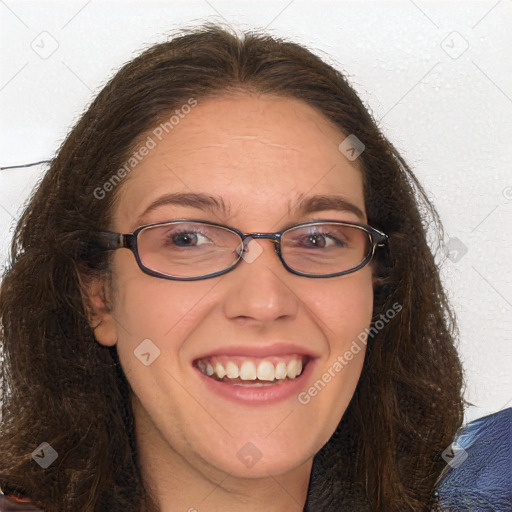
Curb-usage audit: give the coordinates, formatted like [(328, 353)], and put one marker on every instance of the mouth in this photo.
[(253, 371)]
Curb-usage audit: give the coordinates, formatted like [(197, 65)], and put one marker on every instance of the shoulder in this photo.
[(478, 475)]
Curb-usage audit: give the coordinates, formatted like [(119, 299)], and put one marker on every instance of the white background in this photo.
[(437, 76)]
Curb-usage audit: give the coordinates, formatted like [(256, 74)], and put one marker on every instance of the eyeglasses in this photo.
[(189, 250)]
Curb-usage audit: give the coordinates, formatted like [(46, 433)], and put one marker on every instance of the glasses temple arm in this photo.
[(110, 241)]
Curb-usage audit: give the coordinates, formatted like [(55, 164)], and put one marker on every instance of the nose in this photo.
[(260, 287)]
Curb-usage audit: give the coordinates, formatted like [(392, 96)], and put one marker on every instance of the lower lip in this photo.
[(259, 394)]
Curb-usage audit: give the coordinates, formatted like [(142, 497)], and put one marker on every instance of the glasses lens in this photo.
[(325, 248), (187, 249)]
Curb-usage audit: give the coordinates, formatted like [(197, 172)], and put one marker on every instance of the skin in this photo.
[(258, 153)]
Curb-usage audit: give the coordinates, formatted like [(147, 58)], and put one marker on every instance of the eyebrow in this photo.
[(216, 204), (191, 199), (320, 203)]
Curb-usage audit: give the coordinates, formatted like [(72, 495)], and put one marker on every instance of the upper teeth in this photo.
[(250, 370)]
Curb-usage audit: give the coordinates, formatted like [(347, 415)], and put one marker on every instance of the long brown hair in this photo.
[(61, 387)]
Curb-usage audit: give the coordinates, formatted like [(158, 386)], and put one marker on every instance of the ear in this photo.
[(97, 300)]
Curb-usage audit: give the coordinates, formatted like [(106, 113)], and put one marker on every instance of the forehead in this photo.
[(258, 153)]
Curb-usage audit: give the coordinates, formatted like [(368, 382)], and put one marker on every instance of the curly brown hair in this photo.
[(62, 387)]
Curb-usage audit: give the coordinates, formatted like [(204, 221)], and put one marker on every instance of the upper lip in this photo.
[(260, 351)]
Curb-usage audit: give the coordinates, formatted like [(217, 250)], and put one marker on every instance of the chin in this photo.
[(259, 457)]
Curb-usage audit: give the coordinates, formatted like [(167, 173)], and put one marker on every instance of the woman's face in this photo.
[(260, 157)]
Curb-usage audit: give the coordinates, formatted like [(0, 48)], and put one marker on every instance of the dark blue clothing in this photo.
[(479, 476)]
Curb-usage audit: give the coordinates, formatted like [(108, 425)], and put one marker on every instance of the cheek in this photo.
[(345, 308), (155, 319), (148, 307)]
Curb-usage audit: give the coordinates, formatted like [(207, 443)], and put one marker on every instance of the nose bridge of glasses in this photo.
[(270, 236), (273, 237)]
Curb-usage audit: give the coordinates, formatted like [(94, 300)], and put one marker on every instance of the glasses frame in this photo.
[(108, 240)]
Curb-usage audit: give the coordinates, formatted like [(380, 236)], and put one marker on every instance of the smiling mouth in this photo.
[(244, 371)]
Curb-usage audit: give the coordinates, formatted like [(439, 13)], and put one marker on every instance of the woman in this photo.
[(157, 358)]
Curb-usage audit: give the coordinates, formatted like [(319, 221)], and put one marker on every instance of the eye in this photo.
[(187, 238), (318, 239), (322, 240)]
